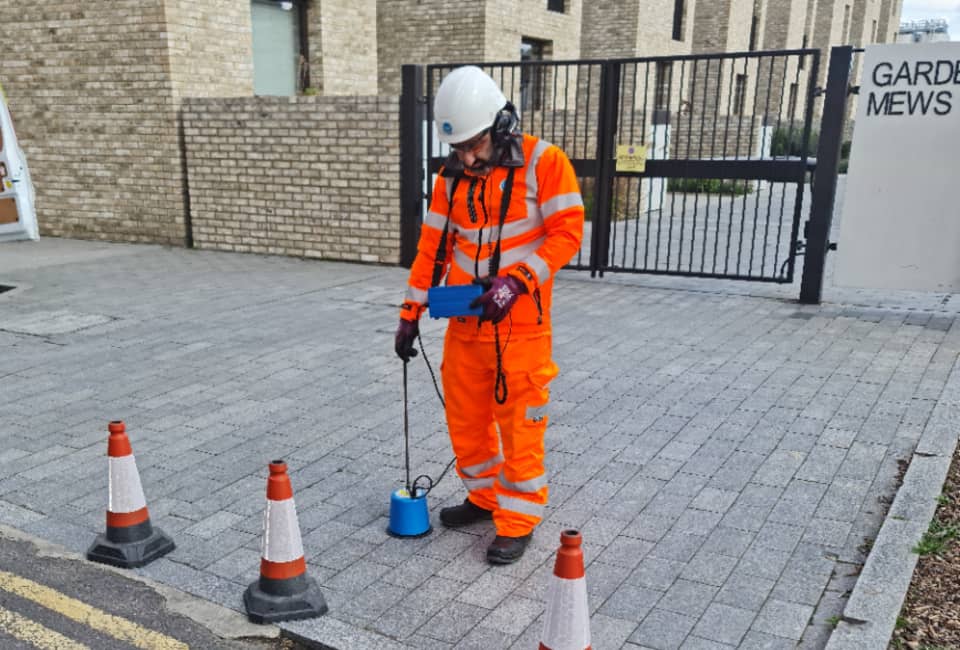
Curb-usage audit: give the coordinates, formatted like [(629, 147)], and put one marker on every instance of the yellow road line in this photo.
[(115, 626), (35, 634)]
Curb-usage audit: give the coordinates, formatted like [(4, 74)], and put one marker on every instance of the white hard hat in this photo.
[(467, 102)]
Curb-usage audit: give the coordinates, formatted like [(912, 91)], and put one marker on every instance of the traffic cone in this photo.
[(284, 592), (567, 623), (130, 540)]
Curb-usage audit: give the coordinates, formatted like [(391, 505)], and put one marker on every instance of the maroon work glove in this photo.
[(501, 292), (407, 333)]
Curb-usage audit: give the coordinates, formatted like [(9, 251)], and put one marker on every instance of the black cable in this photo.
[(413, 488), (406, 432)]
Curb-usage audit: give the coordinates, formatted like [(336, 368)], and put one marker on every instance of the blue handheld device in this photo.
[(448, 301)]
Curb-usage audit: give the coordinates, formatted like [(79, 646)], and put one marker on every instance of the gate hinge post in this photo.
[(817, 229)]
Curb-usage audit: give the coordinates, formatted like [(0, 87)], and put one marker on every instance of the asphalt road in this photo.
[(53, 599)]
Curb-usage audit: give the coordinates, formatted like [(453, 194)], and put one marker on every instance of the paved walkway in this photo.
[(726, 452)]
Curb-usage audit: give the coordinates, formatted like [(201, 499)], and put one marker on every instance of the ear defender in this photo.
[(505, 123)]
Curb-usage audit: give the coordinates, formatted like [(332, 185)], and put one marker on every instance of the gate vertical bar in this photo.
[(412, 168), (828, 164), (603, 187)]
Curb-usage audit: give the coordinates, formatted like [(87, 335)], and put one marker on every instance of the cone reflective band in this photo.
[(284, 591), (282, 548), (566, 625), (126, 506), (130, 540)]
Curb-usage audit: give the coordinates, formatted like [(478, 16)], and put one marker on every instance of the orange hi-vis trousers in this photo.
[(500, 447)]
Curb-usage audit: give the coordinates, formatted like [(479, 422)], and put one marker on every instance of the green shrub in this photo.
[(789, 142), (709, 186)]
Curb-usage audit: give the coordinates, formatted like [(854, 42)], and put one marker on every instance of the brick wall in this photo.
[(304, 176), (89, 88), (888, 20), (342, 37), (426, 31), (435, 31), (210, 48), (634, 28), (610, 28), (509, 21), (95, 90)]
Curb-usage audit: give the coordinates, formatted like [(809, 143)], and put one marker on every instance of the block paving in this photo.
[(727, 453)]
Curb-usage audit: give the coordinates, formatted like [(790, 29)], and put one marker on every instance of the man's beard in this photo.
[(481, 167)]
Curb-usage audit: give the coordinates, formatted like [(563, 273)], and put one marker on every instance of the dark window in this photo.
[(792, 101), (661, 97), (740, 94), (753, 33), (678, 11), (555, 5), (532, 77), (803, 57)]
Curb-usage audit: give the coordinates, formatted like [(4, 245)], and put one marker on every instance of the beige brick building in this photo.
[(140, 122)]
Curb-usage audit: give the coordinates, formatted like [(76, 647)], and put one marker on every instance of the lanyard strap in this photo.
[(504, 207), (440, 259)]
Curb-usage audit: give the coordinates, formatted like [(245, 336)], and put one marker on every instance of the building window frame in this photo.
[(533, 78), (679, 13), (301, 48), (739, 95), (663, 80)]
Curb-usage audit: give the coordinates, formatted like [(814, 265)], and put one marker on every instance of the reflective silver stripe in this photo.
[(539, 267), (536, 413), (463, 269), (531, 177), (465, 262), (521, 253), (511, 229), (477, 483), (479, 468), (522, 506), (561, 202), (435, 220), (530, 485), (538, 149), (416, 295)]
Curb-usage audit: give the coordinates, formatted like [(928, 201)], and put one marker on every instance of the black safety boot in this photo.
[(507, 550), (465, 513)]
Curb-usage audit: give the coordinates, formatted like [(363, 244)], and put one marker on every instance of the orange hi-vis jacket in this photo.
[(542, 231)]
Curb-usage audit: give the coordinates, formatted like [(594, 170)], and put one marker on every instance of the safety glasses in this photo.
[(471, 145)]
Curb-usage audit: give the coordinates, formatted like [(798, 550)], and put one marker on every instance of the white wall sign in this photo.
[(900, 225)]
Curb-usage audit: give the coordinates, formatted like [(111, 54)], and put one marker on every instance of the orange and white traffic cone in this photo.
[(567, 623), (130, 540), (284, 592)]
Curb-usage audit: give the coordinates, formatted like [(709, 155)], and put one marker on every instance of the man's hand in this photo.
[(407, 333), (501, 292)]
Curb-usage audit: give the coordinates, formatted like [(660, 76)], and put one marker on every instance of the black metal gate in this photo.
[(722, 140)]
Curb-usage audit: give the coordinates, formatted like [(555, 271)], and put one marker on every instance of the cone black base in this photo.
[(129, 555), (263, 607)]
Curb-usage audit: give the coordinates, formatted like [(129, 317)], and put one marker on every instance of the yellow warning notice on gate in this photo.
[(631, 158)]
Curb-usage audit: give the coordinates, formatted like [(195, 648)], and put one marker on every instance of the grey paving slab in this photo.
[(720, 446)]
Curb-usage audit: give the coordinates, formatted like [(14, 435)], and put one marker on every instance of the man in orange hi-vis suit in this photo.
[(506, 214)]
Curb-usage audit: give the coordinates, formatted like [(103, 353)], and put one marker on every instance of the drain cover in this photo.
[(45, 323)]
